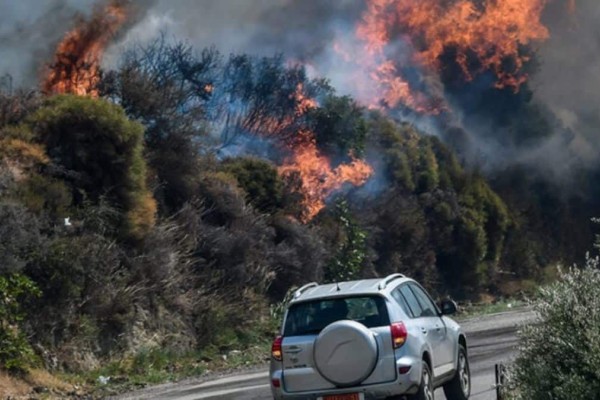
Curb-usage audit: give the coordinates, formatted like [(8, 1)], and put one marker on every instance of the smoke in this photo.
[(551, 122), (29, 30), (568, 81), (301, 30)]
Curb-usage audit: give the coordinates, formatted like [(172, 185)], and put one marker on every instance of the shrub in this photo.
[(351, 249), (560, 356), (95, 140), (259, 180), (15, 352)]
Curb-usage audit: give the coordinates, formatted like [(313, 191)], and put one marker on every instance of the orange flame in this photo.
[(378, 81), (76, 66), (486, 36), (318, 179)]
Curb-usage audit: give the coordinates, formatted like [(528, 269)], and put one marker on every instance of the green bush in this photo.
[(260, 181), (103, 150), (15, 352), (559, 357), (351, 249)]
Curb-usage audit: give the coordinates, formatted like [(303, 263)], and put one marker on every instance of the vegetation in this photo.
[(15, 351), (559, 357), (151, 225)]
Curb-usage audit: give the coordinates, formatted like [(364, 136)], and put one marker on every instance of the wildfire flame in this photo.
[(76, 69), (377, 79), (318, 179), (76, 66), (485, 36)]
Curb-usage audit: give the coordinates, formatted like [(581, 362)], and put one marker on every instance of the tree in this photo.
[(101, 152), (263, 97), (167, 87), (351, 250), (339, 126)]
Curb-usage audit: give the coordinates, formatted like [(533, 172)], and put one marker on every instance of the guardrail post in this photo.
[(500, 381)]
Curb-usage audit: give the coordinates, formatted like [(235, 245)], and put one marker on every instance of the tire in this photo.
[(426, 387), (459, 388)]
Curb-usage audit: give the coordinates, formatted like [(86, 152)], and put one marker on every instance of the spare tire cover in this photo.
[(345, 353)]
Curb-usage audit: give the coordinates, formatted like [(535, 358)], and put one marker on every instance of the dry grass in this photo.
[(13, 388), (42, 378), (36, 384)]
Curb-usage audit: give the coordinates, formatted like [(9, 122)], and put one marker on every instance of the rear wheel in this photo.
[(426, 388), (459, 388)]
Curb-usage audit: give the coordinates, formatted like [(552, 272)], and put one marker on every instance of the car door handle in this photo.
[(424, 331)]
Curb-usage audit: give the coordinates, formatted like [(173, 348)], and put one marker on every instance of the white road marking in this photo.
[(224, 392), (233, 379)]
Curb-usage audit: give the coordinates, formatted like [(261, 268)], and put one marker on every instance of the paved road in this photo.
[(491, 339)]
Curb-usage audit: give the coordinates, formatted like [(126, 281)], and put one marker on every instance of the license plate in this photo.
[(345, 396)]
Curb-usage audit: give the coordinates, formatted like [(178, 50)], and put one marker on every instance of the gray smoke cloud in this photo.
[(300, 28), (29, 31), (306, 31), (565, 85), (569, 77)]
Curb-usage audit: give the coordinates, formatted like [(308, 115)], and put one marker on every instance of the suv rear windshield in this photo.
[(312, 316)]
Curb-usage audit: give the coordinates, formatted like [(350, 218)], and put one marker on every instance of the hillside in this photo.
[(159, 208)]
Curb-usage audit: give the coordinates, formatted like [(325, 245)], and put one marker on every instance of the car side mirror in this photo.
[(448, 307)]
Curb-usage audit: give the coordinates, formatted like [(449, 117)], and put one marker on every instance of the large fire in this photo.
[(76, 66), (479, 35), (318, 179)]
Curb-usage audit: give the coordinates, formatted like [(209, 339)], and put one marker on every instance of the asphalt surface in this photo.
[(491, 340)]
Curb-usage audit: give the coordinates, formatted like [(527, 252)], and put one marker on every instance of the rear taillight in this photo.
[(399, 334), (276, 348)]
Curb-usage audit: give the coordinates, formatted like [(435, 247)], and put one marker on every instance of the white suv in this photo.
[(369, 339)]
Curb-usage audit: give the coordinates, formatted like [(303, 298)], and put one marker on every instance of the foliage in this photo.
[(15, 352), (350, 255), (560, 356), (340, 126), (182, 97), (95, 140), (14, 108), (262, 97), (260, 181), (19, 236), (433, 220), (165, 87), (216, 236)]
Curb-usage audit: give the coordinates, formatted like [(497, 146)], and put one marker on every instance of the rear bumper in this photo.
[(406, 383)]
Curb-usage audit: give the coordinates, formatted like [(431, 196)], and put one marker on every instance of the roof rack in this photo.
[(304, 288), (385, 281)]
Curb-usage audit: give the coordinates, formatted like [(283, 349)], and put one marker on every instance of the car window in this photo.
[(402, 302), (312, 316), (412, 301), (429, 309)]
